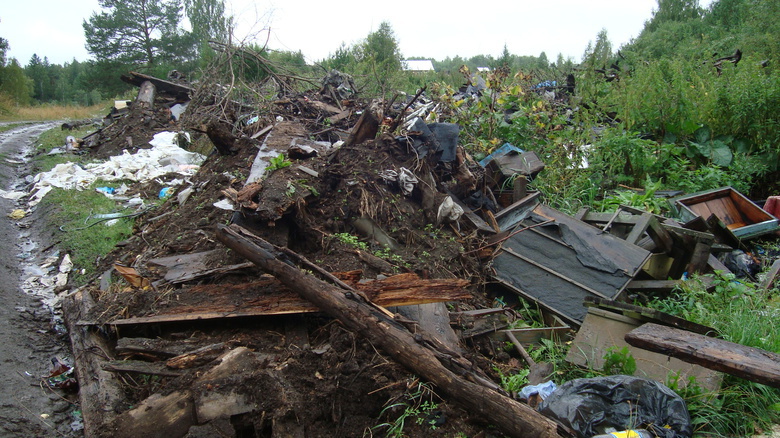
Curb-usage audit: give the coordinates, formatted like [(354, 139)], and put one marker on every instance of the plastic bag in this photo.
[(592, 406)]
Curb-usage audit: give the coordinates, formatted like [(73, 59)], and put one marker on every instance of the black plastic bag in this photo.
[(591, 406)]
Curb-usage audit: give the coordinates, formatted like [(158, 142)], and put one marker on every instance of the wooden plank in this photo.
[(639, 228), (268, 297), (140, 367), (659, 286), (647, 314), (770, 276), (749, 363)]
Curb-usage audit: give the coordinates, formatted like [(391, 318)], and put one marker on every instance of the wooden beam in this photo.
[(453, 374), (266, 297), (749, 363)]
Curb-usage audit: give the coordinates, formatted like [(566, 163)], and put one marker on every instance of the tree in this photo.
[(379, 56), (673, 10), (14, 83), (207, 19), (138, 32)]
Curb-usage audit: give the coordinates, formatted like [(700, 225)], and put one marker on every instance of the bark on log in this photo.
[(146, 95), (415, 351), (738, 360), (99, 390)]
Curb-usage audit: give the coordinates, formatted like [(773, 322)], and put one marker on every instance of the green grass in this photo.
[(70, 210), (51, 139), (744, 315)]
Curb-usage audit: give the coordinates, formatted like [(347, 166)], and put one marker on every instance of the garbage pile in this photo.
[(329, 258)]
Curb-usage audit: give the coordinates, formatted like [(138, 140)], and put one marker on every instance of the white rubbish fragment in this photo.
[(406, 180), (183, 195), (224, 204), (14, 196), (145, 165), (66, 265), (449, 211)]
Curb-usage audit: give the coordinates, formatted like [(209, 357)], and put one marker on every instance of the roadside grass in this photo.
[(51, 139), (70, 210), (53, 112)]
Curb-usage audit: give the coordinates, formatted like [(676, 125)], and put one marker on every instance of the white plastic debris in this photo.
[(449, 211), (224, 204), (66, 265), (164, 157), (407, 180)]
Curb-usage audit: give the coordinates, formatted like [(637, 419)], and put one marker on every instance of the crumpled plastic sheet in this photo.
[(165, 156), (591, 406)]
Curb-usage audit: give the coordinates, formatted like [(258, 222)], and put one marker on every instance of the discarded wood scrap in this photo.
[(266, 296), (98, 388), (455, 376), (173, 414), (738, 360)]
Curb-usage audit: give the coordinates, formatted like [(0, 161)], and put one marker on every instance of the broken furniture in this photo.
[(740, 215)]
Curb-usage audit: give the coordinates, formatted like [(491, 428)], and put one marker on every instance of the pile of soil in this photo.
[(317, 378)]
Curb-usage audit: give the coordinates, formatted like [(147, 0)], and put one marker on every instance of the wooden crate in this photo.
[(741, 216)]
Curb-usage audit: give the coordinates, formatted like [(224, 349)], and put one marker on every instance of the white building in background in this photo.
[(417, 65)]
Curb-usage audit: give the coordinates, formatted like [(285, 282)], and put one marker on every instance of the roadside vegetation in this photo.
[(691, 104)]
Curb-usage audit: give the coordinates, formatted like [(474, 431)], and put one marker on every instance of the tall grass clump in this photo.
[(744, 315)]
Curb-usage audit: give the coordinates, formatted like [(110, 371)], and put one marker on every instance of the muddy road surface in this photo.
[(31, 339)]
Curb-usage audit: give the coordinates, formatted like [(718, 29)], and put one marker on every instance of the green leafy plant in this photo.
[(416, 405), (619, 361), (278, 162), (351, 240)]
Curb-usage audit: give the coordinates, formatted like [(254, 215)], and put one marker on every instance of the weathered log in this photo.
[(738, 360), (146, 95), (417, 352), (99, 390)]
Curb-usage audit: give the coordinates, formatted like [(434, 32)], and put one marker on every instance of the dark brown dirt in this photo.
[(333, 383)]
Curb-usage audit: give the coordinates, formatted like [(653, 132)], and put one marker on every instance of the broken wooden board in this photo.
[(770, 277), (472, 323), (664, 287), (646, 314), (749, 363), (560, 263), (181, 268), (141, 367), (603, 330), (267, 297), (631, 225)]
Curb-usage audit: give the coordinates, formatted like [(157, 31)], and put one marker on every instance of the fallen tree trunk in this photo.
[(417, 352), (738, 360)]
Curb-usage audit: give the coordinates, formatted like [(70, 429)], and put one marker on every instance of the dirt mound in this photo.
[(339, 205)]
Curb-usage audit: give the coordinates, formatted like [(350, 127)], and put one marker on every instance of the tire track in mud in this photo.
[(29, 335)]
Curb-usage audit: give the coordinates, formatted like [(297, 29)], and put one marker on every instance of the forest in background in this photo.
[(692, 100)]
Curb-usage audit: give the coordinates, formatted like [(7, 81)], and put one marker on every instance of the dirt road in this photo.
[(29, 339)]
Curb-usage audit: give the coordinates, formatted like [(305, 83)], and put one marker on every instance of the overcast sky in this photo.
[(53, 28)]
